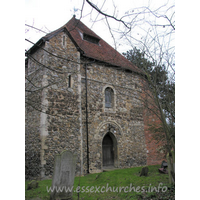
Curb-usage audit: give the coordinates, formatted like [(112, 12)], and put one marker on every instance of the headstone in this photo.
[(163, 168), (164, 164), (63, 176), (32, 185), (144, 171)]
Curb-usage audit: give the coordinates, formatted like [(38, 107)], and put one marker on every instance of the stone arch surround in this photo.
[(103, 128), (96, 164)]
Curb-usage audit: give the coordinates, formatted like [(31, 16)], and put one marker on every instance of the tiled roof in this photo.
[(102, 52)]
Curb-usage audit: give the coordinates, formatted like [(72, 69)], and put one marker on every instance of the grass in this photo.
[(116, 178)]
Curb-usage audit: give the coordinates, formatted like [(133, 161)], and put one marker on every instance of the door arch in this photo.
[(109, 150)]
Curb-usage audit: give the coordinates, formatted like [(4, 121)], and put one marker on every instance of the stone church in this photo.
[(84, 96)]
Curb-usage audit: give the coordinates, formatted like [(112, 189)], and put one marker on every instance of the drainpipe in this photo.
[(86, 106)]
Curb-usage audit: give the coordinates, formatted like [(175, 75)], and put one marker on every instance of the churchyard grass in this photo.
[(99, 183)]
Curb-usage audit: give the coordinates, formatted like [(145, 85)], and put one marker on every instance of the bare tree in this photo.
[(152, 31)]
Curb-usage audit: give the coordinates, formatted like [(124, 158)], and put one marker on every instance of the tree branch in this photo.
[(106, 15)]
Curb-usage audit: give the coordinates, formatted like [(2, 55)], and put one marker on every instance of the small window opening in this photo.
[(26, 66), (70, 81), (64, 40), (108, 98), (91, 39)]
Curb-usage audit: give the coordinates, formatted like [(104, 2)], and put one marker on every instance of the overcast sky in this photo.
[(49, 15)]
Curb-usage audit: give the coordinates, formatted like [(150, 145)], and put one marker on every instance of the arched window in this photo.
[(109, 96)]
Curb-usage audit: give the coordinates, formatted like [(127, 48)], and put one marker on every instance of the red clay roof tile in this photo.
[(102, 52)]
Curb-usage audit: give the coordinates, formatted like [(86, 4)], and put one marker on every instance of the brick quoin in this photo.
[(154, 155)]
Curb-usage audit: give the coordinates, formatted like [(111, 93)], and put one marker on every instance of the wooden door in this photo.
[(108, 154)]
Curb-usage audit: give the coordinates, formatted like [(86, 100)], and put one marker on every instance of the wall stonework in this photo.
[(56, 119), (126, 118), (32, 115)]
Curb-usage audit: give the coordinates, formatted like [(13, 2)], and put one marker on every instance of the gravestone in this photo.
[(144, 171), (164, 164), (32, 185), (163, 168), (63, 176)]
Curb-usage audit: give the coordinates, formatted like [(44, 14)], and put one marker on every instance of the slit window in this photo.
[(70, 81), (63, 42), (108, 98)]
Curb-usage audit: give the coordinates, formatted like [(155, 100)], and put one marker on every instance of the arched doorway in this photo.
[(109, 150)]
